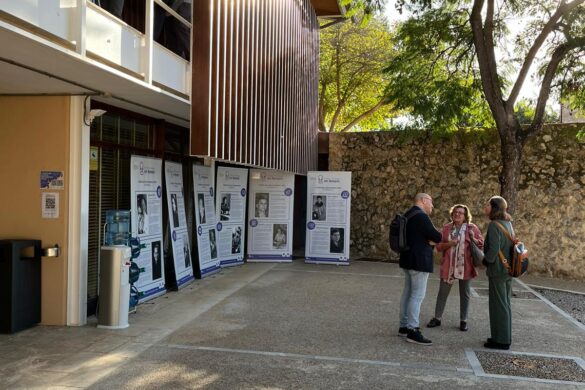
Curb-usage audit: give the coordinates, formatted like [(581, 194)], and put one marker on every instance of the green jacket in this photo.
[(496, 240)]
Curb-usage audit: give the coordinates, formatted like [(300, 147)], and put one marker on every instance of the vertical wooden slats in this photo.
[(255, 79)]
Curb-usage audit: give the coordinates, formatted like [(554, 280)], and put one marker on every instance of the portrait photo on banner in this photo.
[(319, 210), (225, 206)]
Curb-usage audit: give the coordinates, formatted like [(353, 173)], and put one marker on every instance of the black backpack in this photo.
[(398, 232)]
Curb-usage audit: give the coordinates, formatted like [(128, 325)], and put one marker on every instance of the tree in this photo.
[(352, 81), (475, 43)]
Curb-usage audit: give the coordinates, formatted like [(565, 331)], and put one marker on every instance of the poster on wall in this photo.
[(328, 217), (50, 205), (231, 209), (146, 198), (178, 224), (270, 216), (205, 220)]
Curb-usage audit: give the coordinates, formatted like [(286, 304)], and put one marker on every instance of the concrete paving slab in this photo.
[(183, 368)]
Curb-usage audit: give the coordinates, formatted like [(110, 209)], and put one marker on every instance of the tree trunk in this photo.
[(511, 159)]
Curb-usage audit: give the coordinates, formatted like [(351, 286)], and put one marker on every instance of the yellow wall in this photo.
[(34, 136)]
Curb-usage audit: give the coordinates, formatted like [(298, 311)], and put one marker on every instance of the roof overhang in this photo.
[(328, 8), (31, 66)]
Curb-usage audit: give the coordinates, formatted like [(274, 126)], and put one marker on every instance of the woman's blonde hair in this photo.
[(468, 216)]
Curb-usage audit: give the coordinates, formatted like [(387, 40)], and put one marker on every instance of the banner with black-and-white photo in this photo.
[(270, 216), (146, 198), (231, 209), (205, 220), (178, 224), (328, 217)]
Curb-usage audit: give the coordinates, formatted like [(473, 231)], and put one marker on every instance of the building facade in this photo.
[(85, 85)]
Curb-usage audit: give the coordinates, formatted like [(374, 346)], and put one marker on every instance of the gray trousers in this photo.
[(464, 297)]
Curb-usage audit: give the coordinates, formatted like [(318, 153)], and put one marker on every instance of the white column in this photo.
[(147, 51), (78, 27), (78, 187)]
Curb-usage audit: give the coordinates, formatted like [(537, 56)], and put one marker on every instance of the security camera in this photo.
[(92, 114)]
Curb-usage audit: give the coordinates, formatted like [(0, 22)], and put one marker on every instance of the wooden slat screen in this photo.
[(255, 78)]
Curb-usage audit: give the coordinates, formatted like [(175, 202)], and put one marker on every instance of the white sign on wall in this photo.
[(178, 224), (50, 205), (328, 217), (270, 216), (205, 220), (230, 210), (146, 198)]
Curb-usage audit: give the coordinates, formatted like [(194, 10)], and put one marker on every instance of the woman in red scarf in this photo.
[(457, 262)]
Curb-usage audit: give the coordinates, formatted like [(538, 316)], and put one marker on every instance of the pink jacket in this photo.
[(469, 272)]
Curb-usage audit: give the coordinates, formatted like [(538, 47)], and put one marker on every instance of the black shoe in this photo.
[(433, 323), (463, 326), (415, 336), (493, 345), (403, 331)]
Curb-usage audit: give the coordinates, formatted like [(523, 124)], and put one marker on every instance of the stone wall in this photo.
[(389, 168)]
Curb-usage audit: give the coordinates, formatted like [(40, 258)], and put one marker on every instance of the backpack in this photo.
[(397, 237), (517, 264)]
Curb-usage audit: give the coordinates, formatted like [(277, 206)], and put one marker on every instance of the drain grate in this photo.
[(525, 366), (520, 294)]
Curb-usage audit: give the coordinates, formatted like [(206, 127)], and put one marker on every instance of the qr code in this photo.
[(50, 202)]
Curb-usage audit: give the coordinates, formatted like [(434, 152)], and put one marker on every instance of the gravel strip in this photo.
[(531, 366), (573, 304)]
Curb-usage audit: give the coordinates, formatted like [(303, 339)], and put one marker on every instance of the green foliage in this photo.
[(362, 9), (525, 112), (432, 74), (351, 75)]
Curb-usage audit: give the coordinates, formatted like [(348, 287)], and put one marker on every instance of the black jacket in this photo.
[(419, 231)]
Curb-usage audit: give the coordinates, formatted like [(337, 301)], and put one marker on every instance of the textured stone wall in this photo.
[(389, 168)]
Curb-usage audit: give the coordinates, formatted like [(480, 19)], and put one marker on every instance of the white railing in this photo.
[(96, 34)]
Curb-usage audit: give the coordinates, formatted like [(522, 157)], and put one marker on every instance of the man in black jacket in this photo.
[(417, 264)]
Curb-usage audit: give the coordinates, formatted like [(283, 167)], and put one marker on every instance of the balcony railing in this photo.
[(87, 29)]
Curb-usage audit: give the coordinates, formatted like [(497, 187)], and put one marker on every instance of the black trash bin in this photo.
[(20, 284)]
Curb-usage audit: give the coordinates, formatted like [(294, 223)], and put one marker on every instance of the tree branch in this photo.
[(549, 27), (551, 70), (544, 92), (484, 44), (365, 115), (322, 126)]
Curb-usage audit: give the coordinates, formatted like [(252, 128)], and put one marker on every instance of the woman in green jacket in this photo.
[(500, 282)]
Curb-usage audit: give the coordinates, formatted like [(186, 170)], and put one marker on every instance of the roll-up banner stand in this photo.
[(179, 233), (146, 198), (328, 217), (205, 220), (270, 213), (230, 208)]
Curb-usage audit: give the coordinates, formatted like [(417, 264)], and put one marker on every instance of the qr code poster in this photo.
[(50, 205)]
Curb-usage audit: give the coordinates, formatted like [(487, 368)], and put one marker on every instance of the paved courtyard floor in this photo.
[(289, 326)]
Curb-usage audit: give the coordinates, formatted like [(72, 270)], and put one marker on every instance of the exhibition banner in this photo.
[(205, 220), (178, 224), (146, 198), (328, 217), (230, 208), (270, 216)]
